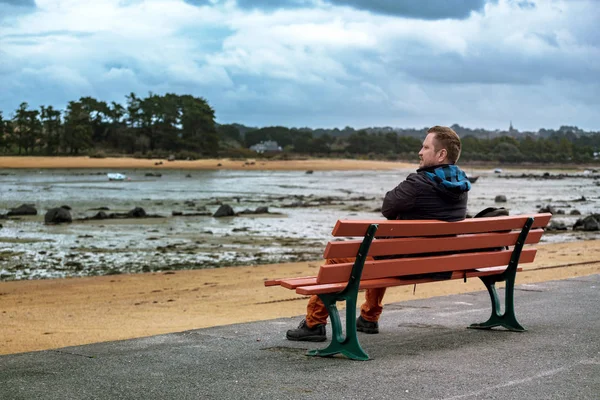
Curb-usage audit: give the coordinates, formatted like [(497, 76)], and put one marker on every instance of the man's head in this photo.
[(441, 146)]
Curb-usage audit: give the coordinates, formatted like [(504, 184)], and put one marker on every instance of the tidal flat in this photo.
[(302, 210)]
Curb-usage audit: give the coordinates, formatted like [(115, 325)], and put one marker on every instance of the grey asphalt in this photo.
[(423, 351)]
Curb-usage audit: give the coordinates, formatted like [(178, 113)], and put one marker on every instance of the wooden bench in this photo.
[(487, 248)]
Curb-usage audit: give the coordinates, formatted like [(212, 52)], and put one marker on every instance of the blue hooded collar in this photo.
[(448, 175)]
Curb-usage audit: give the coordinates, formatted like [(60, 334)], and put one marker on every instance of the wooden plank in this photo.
[(278, 281), (410, 228), (335, 273), (390, 282), (381, 247), (294, 283)]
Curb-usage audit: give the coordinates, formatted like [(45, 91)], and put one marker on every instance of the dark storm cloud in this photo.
[(423, 9)]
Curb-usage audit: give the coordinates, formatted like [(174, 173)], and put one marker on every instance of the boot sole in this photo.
[(307, 338), (369, 331)]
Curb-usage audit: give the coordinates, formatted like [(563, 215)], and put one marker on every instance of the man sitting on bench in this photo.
[(437, 191)]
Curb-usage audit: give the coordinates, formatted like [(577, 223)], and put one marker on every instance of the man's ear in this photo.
[(443, 155)]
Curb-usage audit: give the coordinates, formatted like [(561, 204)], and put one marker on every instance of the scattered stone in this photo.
[(224, 211), (310, 171), (23, 209), (548, 209), (58, 215), (66, 207), (589, 223), (219, 165), (188, 176), (581, 199), (500, 198), (158, 163), (261, 210), (556, 226), (153, 174), (100, 215), (171, 158), (575, 212), (137, 212)]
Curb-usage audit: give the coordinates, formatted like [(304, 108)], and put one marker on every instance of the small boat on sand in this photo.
[(116, 177)]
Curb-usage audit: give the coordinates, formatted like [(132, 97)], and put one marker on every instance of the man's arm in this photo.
[(400, 199)]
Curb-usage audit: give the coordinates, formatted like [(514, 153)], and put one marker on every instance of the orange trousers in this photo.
[(370, 310)]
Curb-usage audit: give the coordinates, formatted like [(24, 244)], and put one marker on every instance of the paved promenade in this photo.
[(422, 352)]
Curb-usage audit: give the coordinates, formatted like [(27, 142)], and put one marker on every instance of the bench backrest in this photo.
[(427, 246)]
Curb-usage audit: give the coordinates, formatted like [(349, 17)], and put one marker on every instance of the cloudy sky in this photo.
[(315, 63)]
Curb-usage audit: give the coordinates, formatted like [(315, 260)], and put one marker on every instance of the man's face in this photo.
[(428, 157)]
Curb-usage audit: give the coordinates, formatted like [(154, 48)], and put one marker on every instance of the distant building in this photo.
[(269, 146)]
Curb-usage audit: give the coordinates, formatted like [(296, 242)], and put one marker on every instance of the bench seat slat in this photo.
[(389, 282), (334, 273), (409, 228), (429, 245), (289, 281)]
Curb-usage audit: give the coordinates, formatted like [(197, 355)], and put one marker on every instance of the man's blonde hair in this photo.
[(446, 138)]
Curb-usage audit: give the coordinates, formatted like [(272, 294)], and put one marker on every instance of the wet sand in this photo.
[(207, 164), (48, 314)]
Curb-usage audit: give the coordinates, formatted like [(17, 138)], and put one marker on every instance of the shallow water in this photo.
[(304, 209)]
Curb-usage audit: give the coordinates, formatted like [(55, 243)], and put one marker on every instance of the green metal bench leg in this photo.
[(508, 319), (348, 345)]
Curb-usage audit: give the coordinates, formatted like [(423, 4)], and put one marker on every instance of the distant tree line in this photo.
[(169, 123), (183, 125)]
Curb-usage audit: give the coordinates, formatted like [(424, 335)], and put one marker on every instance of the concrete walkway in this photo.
[(422, 352)]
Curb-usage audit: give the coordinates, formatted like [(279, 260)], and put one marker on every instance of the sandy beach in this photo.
[(206, 164), (47, 314)]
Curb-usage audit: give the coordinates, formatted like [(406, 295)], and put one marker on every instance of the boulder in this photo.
[(137, 212), (589, 223), (575, 212), (58, 215), (224, 211), (548, 209), (556, 226), (261, 210), (100, 215), (23, 209), (500, 198)]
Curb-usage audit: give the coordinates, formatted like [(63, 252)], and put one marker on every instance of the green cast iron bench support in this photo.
[(348, 345), (508, 319)]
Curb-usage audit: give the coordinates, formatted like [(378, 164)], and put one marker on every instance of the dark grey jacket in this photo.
[(422, 197)]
